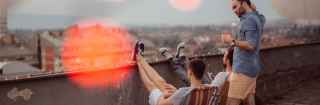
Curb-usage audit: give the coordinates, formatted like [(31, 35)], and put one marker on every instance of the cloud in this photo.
[(66, 7), (298, 9)]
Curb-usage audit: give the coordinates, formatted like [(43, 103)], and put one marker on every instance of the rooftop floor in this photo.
[(308, 93)]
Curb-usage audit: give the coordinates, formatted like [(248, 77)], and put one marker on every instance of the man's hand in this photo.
[(226, 37)]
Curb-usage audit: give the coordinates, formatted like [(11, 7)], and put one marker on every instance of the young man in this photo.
[(162, 93), (246, 62), (222, 77)]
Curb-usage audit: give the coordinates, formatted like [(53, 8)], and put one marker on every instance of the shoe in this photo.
[(180, 49), (138, 49), (165, 52)]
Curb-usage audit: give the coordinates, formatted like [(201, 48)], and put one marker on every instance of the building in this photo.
[(3, 17)]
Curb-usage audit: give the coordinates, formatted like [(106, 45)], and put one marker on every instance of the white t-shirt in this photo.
[(177, 98), (220, 79), (180, 95), (154, 96)]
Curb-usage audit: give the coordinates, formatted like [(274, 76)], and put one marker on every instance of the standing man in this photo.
[(246, 61)]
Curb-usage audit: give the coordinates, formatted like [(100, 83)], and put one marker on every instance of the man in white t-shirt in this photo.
[(161, 92), (222, 77)]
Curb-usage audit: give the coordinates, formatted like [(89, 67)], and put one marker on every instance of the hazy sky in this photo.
[(60, 13)]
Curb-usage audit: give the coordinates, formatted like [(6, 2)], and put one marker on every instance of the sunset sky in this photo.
[(35, 14)]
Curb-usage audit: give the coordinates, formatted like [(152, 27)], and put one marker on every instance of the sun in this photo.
[(100, 52), (185, 5)]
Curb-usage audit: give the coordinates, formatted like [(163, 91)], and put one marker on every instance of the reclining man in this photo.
[(162, 93)]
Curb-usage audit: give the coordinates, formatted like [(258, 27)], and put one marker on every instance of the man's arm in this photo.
[(244, 45), (252, 34), (252, 37), (153, 75), (227, 38)]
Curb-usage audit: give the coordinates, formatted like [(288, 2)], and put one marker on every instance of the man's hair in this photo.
[(230, 55), (247, 1), (197, 67)]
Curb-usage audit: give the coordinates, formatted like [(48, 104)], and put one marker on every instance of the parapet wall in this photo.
[(284, 67), (3, 17)]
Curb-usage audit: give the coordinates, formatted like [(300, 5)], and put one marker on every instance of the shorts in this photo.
[(241, 86), (154, 96)]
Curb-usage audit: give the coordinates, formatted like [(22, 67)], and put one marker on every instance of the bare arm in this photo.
[(251, 29), (245, 45)]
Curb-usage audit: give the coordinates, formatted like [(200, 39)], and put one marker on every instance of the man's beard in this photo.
[(241, 11)]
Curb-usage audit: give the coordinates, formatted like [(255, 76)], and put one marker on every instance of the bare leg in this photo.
[(152, 74), (181, 72), (146, 81), (250, 100), (233, 101)]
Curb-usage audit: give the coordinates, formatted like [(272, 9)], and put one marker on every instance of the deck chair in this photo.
[(204, 95), (208, 95), (224, 93)]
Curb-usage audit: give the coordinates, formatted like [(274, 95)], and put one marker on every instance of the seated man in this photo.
[(162, 93), (222, 77)]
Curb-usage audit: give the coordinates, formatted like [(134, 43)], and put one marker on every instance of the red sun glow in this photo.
[(100, 52), (185, 5)]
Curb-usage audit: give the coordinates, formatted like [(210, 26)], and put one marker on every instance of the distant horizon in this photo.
[(68, 22), (272, 22)]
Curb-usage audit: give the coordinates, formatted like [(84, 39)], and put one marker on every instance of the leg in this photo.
[(146, 81), (155, 93), (181, 72), (250, 100), (178, 64), (240, 86), (233, 101), (152, 74)]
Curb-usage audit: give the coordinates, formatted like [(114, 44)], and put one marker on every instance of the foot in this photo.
[(165, 52), (180, 49)]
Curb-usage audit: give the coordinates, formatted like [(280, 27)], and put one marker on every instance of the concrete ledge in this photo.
[(284, 67)]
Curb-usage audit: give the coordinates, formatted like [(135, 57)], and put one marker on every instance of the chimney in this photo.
[(3, 17)]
